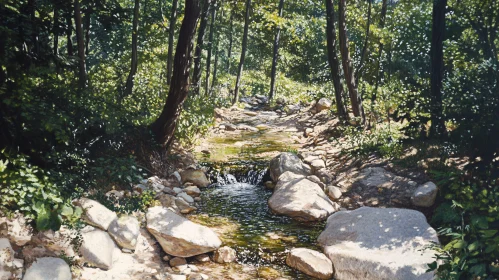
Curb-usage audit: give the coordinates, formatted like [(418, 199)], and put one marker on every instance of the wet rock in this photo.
[(96, 214), (195, 176), (323, 104), (310, 262), (224, 255), (288, 162), (125, 230), (302, 200), (179, 236), (186, 197), (48, 269), (177, 261), (379, 243), (97, 248), (425, 195), (333, 192), (193, 191), (269, 185)]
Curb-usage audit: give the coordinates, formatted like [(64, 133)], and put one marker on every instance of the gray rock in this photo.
[(184, 206), (186, 197), (48, 269), (425, 195), (288, 162), (324, 176), (317, 164), (179, 236), (302, 200), (230, 127), (323, 104), (125, 230), (310, 262), (195, 176), (193, 191), (6, 259), (224, 255), (333, 192), (97, 248), (96, 214), (379, 243)]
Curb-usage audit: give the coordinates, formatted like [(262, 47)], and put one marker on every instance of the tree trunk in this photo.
[(134, 62), (276, 53), (82, 72), (196, 76), (171, 36), (69, 34), (380, 52), (333, 60), (87, 28), (209, 48), (215, 64), (243, 52), (231, 30), (366, 41), (34, 29), (164, 127), (56, 30), (437, 128), (355, 100)]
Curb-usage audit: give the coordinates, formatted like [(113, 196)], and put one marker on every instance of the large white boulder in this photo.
[(48, 269), (179, 236), (125, 230), (379, 243), (310, 262), (301, 199), (96, 214), (97, 248), (288, 162)]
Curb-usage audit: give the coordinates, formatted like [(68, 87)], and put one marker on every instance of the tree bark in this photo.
[(366, 41), (56, 30), (275, 57), (82, 71), (215, 63), (134, 61), (171, 36), (348, 69), (382, 19), (164, 127), (196, 76), (231, 39), (243, 52), (437, 128), (88, 15), (209, 48), (69, 34), (333, 60)]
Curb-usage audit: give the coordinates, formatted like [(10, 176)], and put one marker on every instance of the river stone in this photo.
[(178, 236), (202, 258), (310, 262), (379, 243), (333, 192), (193, 191), (288, 162), (323, 104), (97, 248), (125, 230), (177, 261), (186, 197), (96, 214), (425, 195), (224, 255), (48, 269), (302, 200), (195, 176), (318, 164)]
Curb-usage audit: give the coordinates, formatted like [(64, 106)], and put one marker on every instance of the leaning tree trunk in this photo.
[(196, 75), (366, 41), (134, 62), (82, 71), (380, 51), (243, 52), (171, 36), (164, 127), (210, 48), (69, 34), (355, 100), (334, 64), (437, 68), (275, 57)]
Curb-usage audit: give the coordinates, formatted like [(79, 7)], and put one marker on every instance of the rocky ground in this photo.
[(312, 180)]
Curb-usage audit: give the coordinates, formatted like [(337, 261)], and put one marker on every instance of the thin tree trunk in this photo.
[(82, 72), (275, 57), (231, 30), (56, 30), (87, 28), (366, 40), (209, 48), (437, 128), (134, 62), (171, 36), (34, 29), (334, 63), (380, 52), (196, 76), (164, 127), (355, 100), (215, 64), (69, 34), (243, 52)]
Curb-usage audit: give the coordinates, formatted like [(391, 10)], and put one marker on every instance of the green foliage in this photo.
[(129, 203)]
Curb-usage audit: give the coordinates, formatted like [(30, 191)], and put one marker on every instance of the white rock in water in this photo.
[(310, 262), (179, 236), (48, 269), (425, 195), (379, 243), (125, 230), (96, 214), (97, 248)]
